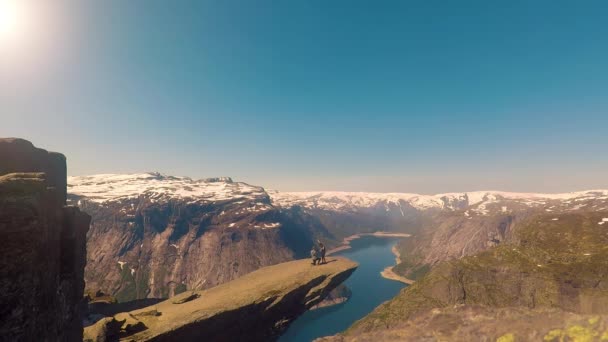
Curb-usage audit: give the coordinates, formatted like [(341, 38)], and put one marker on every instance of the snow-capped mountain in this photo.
[(157, 187), (154, 235), (480, 202), (116, 187)]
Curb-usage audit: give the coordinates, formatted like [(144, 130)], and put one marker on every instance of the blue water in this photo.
[(369, 289)]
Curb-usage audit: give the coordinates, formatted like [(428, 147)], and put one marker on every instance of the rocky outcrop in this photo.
[(42, 254), (255, 307)]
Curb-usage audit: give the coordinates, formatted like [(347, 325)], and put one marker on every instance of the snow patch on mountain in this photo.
[(478, 201), (115, 187), (157, 188)]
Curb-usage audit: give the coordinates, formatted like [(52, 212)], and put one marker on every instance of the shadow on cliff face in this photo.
[(104, 308), (301, 230)]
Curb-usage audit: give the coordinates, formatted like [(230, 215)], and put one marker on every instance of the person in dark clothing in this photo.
[(322, 252), (314, 255)]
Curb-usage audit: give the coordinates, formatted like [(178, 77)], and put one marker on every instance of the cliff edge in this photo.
[(256, 307)]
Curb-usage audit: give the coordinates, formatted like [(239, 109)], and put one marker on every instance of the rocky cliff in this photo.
[(255, 307), (42, 254), (155, 236)]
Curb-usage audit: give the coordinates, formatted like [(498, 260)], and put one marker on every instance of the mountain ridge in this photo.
[(219, 188)]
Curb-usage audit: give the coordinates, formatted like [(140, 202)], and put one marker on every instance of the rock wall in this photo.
[(142, 248), (43, 249)]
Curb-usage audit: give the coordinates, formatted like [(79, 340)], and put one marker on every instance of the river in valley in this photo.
[(369, 289)]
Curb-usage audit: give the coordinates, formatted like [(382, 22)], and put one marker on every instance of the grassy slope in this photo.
[(553, 263)]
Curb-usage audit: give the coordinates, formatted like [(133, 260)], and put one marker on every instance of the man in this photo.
[(322, 251), (314, 255)]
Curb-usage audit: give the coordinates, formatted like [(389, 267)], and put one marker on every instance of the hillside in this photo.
[(554, 262), (457, 233)]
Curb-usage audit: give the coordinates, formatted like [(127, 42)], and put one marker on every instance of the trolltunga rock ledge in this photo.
[(256, 307)]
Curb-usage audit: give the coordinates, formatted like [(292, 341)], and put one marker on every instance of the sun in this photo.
[(12, 20)]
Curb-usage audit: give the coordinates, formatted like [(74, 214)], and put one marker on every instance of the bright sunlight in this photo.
[(12, 20)]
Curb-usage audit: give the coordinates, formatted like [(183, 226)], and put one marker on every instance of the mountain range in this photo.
[(154, 236)]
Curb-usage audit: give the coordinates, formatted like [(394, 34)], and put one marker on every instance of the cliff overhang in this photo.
[(256, 307)]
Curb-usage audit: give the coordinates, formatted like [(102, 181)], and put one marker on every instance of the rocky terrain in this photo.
[(155, 236), (555, 262), (255, 307), (42, 254)]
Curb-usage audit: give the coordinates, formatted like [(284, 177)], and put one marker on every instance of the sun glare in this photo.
[(11, 19)]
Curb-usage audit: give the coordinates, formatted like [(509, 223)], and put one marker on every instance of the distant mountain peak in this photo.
[(112, 187), (332, 200)]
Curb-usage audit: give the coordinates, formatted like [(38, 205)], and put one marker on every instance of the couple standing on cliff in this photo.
[(317, 254)]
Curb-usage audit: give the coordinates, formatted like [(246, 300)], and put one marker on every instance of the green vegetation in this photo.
[(575, 333), (180, 288), (128, 288), (506, 338), (554, 263)]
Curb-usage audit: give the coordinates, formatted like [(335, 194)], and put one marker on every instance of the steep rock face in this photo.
[(256, 307), (43, 247), (454, 235), (156, 236)]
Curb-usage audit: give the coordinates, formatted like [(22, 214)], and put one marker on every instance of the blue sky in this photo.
[(410, 96)]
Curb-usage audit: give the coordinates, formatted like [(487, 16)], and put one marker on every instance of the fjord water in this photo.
[(369, 289)]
